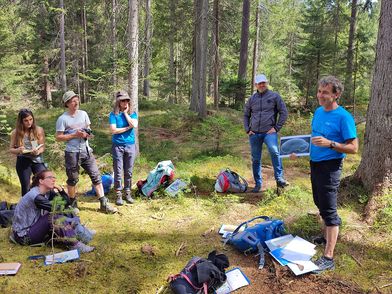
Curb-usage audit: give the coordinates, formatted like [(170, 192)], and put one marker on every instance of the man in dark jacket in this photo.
[(262, 124)]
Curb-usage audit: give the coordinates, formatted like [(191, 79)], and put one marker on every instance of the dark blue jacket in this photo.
[(261, 112)]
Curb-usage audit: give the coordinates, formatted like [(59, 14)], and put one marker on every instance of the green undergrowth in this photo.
[(121, 263)]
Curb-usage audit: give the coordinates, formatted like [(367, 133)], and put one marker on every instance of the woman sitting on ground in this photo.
[(32, 222), (27, 142)]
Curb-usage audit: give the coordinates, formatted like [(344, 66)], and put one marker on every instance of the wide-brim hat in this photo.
[(68, 96)]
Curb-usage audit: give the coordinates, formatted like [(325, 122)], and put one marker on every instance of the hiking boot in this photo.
[(324, 264), (83, 248), (319, 240), (282, 183), (119, 200), (128, 197), (256, 189), (105, 207)]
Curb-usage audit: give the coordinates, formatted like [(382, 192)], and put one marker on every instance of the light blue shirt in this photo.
[(336, 125), (126, 138)]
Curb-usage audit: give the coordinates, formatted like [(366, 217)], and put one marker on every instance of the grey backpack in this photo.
[(229, 181)]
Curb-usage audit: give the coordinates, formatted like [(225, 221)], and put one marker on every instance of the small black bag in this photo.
[(201, 275), (6, 214)]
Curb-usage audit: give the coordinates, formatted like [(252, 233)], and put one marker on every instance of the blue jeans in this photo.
[(123, 161), (256, 146)]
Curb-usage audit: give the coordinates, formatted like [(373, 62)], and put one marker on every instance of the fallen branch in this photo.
[(181, 248), (356, 260), (386, 285)]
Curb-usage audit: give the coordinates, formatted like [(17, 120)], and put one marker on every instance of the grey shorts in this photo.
[(73, 161)]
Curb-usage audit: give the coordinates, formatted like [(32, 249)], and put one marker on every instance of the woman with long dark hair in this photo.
[(28, 144), (33, 221), (123, 121)]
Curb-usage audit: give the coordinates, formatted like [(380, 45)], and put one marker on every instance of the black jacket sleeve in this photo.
[(42, 202), (63, 194)]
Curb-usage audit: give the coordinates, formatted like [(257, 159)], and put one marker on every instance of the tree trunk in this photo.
[(199, 68), (147, 51), (63, 77), (240, 96), (46, 86), (84, 54), (350, 52), (133, 55), (336, 33), (114, 42), (256, 47), (375, 169), (216, 54), (172, 59)]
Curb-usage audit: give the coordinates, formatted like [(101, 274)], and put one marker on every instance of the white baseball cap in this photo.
[(260, 79)]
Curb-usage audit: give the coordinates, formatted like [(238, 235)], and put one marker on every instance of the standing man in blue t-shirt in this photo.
[(333, 135), (123, 121)]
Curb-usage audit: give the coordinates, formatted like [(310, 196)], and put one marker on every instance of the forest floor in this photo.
[(121, 263)]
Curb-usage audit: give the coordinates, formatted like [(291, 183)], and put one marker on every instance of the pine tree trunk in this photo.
[(375, 169), (216, 65), (114, 41), (47, 88), (147, 51), (63, 77), (350, 53), (84, 53), (199, 73), (133, 55), (243, 62), (256, 46), (172, 5)]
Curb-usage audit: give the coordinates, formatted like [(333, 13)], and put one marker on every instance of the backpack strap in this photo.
[(266, 218), (193, 286)]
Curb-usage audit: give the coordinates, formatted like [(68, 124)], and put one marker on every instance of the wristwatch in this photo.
[(332, 145)]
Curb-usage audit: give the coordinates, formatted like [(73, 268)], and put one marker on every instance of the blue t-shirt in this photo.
[(336, 125), (126, 138)]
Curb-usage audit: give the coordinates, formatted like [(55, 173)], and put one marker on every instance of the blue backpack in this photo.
[(253, 238)]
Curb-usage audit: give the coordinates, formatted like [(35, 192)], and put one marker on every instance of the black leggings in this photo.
[(24, 167)]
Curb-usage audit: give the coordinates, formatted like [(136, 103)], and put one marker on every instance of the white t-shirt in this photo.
[(69, 125)]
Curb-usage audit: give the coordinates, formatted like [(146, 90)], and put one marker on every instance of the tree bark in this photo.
[(84, 54), (256, 47), (114, 41), (375, 169), (47, 88), (216, 54), (172, 59), (199, 67), (147, 51), (350, 52), (63, 77), (133, 55), (240, 96)]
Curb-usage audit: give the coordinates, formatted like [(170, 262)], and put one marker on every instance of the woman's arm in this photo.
[(13, 149), (41, 140), (114, 130), (133, 123)]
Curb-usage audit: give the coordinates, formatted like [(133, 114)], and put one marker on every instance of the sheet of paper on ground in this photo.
[(62, 257), (9, 268), (235, 280)]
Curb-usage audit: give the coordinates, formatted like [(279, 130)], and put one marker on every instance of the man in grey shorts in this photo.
[(73, 127)]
